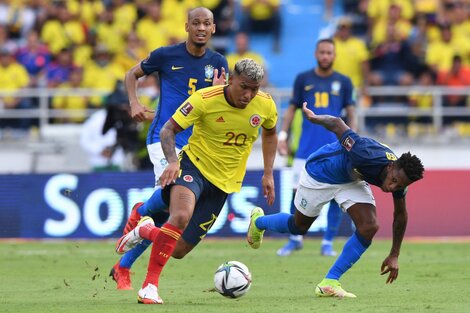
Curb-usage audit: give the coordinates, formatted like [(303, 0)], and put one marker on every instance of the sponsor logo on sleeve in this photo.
[(186, 109), (348, 143)]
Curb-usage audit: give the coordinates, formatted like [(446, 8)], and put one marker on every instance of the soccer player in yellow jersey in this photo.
[(226, 121)]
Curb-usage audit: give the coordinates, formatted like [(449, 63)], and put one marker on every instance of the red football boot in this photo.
[(122, 277), (133, 219)]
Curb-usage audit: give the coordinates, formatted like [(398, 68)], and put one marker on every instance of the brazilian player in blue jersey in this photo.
[(326, 92), (182, 69), (343, 171)]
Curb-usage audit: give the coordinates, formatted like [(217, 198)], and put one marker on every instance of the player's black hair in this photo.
[(328, 40), (412, 166)]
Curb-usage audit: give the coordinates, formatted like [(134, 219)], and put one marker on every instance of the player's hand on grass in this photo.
[(267, 182), (390, 266), (170, 174), (140, 113), (219, 80)]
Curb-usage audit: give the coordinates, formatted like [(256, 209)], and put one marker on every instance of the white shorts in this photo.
[(297, 167), (312, 195), (157, 157)]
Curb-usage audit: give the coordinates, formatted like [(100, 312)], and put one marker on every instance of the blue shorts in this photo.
[(209, 200)]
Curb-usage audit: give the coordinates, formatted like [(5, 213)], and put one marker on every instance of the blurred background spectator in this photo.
[(262, 16), (352, 56), (242, 51), (67, 102), (35, 57), (13, 77), (58, 71), (391, 61), (457, 76)]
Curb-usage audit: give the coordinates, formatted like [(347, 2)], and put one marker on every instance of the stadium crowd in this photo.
[(92, 43)]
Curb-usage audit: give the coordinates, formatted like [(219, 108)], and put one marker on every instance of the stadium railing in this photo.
[(436, 113)]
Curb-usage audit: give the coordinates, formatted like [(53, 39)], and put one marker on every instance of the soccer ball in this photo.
[(232, 279)]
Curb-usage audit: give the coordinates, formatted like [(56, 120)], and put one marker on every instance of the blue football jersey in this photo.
[(180, 75), (324, 95), (351, 158)]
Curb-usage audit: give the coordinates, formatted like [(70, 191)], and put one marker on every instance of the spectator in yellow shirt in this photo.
[(440, 53), (395, 17), (352, 57), (13, 76), (78, 104), (109, 32), (102, 73), (152, 23), (242, 51), (62, 31)]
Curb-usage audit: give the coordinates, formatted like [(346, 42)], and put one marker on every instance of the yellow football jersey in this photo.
[(222, 134)]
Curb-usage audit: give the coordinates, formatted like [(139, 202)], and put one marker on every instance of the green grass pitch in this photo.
[(72, 276)]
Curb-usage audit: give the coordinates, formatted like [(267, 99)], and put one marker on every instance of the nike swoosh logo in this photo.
[(174, 68), (308, 87)]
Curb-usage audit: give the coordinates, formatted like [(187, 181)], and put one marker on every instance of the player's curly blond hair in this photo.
[(249, 68)]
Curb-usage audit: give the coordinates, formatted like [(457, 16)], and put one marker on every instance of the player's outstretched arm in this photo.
[(400, 220), (167, 138), (269, 145), (332, 123), (138, 112)]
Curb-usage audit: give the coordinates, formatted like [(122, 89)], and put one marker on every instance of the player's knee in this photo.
[(368, 230), (180, 219)]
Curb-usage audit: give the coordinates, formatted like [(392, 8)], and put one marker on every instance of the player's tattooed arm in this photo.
[(167, 138), (332, 123)]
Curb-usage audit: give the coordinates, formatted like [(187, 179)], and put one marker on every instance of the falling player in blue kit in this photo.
[(182, 69), (343, 171), (327, 92)]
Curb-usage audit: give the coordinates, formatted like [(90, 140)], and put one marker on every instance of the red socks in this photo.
[(149, 232), (164, 243)]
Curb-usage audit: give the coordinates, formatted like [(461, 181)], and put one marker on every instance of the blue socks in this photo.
[(129, 258), (352, 251), (280, 222), (154, 204), (333, 220)]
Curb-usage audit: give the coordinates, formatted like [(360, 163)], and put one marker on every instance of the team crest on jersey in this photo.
[(188, 178), (303, 203), (391, 156), (348, 143), (255, 119), (209, 71), (186, 109), (335, 87)]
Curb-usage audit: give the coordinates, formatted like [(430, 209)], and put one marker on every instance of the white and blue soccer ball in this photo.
[(232, 279)]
